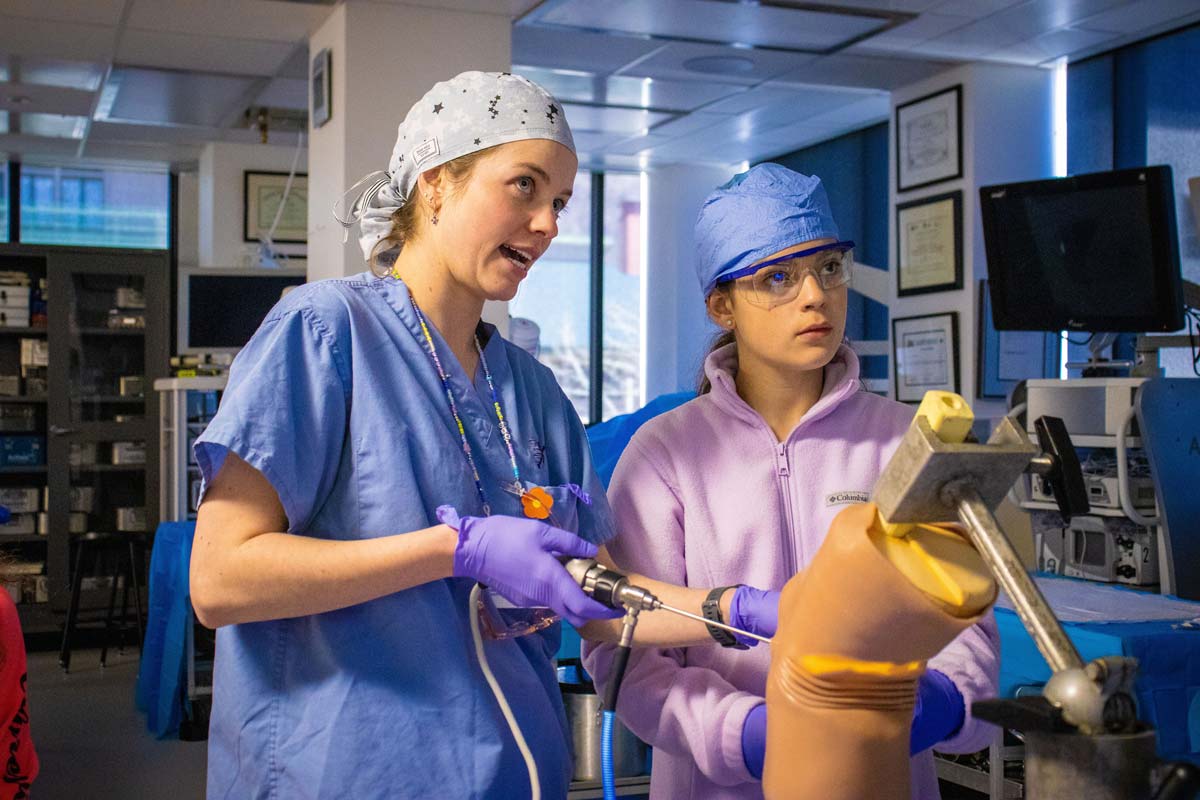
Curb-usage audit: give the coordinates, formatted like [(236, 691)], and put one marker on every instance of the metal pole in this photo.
[(1027, 599)]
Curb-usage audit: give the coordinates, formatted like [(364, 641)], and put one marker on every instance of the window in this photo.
[(93, 206), (622, 329), (3, 201), (556, 295), (576, 326)]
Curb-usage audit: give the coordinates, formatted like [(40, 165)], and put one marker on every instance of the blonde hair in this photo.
[(409, 220)]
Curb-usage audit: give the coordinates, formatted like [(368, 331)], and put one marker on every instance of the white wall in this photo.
[(188, 221), (221, 203), (677, 328), (384, 58), (1007, 127)]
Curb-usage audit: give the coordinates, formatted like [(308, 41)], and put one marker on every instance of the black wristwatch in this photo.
[(711, 609)]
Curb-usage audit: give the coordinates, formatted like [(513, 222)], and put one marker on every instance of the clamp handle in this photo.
[(1063, 472)]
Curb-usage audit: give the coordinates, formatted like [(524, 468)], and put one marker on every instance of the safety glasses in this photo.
[(773, 283)]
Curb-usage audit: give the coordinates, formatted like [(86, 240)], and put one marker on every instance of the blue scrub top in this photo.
[(337, 402)]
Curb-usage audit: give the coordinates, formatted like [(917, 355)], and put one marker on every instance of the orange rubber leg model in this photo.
[(855, 630)]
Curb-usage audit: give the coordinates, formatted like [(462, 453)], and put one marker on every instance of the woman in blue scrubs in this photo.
[(378, 451)]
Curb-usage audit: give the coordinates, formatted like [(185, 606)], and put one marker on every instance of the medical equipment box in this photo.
[(14, 317), (77, 522), (131, 519), (35, 354), (22, 451), (1101, 491), (82, 454), (18, 418), (1087, 406), (83, 498), (128, 453), (128, 297), (131, 385), (20, 499), (19, 525), (14, 306), (10, 385)]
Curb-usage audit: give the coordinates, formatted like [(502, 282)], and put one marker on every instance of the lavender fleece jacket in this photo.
[(706, 496)]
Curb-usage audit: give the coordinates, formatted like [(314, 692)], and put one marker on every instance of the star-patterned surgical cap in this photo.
[(470, 112)]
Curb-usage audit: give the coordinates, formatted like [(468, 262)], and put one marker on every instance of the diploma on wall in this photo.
[(929, 237)]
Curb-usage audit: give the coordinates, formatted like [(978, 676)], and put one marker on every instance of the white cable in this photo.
[(268, 239), (530, 764), (1123, 476)]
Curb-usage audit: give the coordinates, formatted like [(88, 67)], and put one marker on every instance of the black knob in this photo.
[(1126, 571)]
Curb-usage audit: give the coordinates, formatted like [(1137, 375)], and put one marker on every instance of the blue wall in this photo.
[(1136, 106), (854, 169)]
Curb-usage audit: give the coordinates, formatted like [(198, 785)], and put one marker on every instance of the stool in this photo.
[(130, 550)]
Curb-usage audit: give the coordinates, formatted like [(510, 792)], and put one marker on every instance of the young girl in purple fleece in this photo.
[(740, 485)]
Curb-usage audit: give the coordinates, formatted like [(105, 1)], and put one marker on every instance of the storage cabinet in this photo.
[(78, 421)]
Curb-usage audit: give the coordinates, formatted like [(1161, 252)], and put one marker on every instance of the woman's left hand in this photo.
[(754, 610)]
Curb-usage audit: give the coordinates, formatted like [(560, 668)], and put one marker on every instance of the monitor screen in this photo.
[(220, 309), (1096, 252)]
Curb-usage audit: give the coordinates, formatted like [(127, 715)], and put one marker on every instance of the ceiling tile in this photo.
[(1050, 47), (636, 144), (905, 6), (759, 65), (285, 93), (505, 8), (751, 99), (262, 19), (1139, 16), (613, 120), (46, 99), (166, 97), (695, 121), (625, 90), (864, 71), (214, 54), (40, 38), (1037, 17), (915, 31), (976, 9), (589, 52), (595, 141), (93, 12), (749, 24)]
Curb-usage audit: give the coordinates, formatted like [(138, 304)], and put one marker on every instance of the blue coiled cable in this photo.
[(607, 775)]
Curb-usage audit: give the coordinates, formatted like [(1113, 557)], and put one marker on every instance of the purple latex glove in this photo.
[(754, 610), (517, 558), (939, 713), (754, 740)]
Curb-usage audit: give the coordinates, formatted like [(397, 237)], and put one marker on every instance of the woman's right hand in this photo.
[(519, 558)]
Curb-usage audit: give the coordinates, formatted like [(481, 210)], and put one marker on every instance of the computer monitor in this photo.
[(1096, 252), (220, 309)]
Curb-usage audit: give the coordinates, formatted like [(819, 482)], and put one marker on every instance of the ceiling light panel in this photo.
[(165, 97), (745, 24), (67, 74), (57, 126)]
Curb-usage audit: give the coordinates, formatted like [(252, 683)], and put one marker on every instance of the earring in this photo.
[(729, 323), (433, 219)]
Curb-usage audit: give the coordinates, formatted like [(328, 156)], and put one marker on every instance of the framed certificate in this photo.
[(1006, 357), (929, 245), (925, 355), (929, 139), (262, 192)]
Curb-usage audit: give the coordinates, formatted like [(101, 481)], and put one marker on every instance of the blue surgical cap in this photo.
[(758, 213)]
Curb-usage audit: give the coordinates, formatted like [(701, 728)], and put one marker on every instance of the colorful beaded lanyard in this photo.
[(536, 502)]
